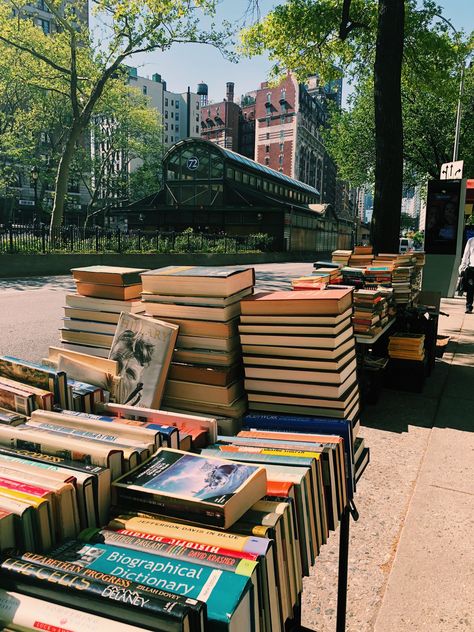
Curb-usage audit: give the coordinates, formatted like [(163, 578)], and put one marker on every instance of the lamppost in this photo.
[(34, 176)]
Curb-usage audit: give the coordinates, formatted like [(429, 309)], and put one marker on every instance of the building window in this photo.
[(166, 102), (197, 118), (166, 139), (172, 102), (267, 160), (176, 129), (282, 119), (45, 25), (197, 129), (269, 109), (282, 134), (172, 126), (166, 127), (283, 94), (177, 104), (268, 135), (267, 149), (268, 121), (172, 114), (144, 89), (281, 146), (166, 114), (172, 139), (269, 97), (176, 118)]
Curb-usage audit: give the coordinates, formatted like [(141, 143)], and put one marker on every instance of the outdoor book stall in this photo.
[(192, 443)]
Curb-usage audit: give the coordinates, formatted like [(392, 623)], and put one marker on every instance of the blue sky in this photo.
[(187, 65)]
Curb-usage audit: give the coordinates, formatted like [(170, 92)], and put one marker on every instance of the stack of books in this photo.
[(353, 276), (402, 277), (369, 306), (361, 256), (91, 314), (299, 352), (378, 275), (341, 257), (407, 346), (206, 371)]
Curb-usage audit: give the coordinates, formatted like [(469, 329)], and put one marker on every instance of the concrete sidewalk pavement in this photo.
[(431, 583), (411, 561)]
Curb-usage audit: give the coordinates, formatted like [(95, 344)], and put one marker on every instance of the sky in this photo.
[(189, 64)]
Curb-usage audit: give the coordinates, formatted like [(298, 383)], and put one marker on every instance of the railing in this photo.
[(74, 239)]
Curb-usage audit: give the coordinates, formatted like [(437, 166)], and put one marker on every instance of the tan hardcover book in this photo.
[(168, 310), (198, 280), (295, 375), (43, 399), (205, 329), (319, 321), (116, 292), (143, 348), (91, 315), (101, 364), (235, 409), (302, 364), (86, 338), (89, 325), (132, 306), (336, 403), (213, 344), (317, 353), (207, 357), (204, 392), (306, 303), (16, 400), (301, 389), (203, 301), (217, 376), (317, 342), (295, 330), (108, 275)]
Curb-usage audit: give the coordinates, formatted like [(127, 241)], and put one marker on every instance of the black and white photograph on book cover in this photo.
[(142, 348)]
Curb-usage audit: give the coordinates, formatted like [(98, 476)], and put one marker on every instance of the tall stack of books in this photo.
[(402, 277), (206, 370), (341, 257), (407, 346), (369, 307), (91, 314), (299, 352), (378, 275)]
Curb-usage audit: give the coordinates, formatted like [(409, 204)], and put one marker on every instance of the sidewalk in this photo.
[(411, 557)]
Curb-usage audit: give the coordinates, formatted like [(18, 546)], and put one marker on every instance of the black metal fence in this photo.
[(74, 239)]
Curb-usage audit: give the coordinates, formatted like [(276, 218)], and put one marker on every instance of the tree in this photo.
[(68, 62), (368, 40)]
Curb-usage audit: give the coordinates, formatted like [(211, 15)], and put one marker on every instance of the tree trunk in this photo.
[(385, 229), (62, 176)]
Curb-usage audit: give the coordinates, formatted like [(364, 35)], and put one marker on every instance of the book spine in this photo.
[(53, 576), (169, 506), (216, 557)]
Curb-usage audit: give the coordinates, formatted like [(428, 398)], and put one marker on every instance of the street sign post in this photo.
[(452, 170)]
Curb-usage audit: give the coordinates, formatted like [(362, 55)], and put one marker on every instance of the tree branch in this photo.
[(36, 54)]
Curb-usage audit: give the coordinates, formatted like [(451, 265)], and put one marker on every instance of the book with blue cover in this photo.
[(209, 491), (316, 425), (228, 595)]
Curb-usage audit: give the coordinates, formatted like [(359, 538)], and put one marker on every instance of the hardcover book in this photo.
[(37, 375), (198, 280), (132, 306), (306, 303), (116, 292), (108, 275), (143, 348), (203, 490)]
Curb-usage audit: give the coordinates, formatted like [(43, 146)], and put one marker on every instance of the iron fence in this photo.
[(74, 239)]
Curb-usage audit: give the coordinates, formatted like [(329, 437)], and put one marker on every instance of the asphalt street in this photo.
[(31, 308)]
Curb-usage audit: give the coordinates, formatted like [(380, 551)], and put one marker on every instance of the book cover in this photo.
[(37, 375), (79, 301), (198, 280), (204, 490), (223, 592), (115, 292), (143, 348), (309, 302), (109, 275), (61, 584)]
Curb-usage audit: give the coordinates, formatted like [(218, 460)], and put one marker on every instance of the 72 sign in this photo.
[(193, 163)]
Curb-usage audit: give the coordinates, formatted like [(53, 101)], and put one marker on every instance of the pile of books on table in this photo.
[(341, 257), (362, 256), (206, 371), (353, 276), (91, 314), (378, 275), (298, 351), (369, 309)]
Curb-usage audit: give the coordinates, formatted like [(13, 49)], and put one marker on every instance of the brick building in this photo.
[(220, 121)]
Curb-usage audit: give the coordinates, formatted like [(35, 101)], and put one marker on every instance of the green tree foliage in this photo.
[(70, 64), (322, 36)]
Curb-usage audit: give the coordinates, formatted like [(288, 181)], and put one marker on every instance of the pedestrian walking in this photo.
[(466, 269)]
